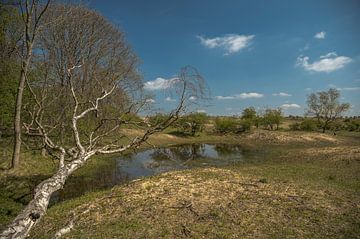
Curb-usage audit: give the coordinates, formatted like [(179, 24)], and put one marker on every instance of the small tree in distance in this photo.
[(249, 113), (250, 118), (272, 117), (325, 106), (193, 123)]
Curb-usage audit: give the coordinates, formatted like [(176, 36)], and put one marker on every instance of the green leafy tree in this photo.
[(193, 123), (272, 117), (325, 106), (249, 114)]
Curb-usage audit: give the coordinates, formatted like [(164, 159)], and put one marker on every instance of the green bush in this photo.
[(245, 125), (352, 124), (192, 123), (337, 125), (305, 125), (308, 125), (226, 125)]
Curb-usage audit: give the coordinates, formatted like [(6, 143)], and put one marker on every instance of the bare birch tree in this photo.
[(88, 85)]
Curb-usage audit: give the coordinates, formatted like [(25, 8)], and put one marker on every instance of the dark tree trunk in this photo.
[(17, 120)]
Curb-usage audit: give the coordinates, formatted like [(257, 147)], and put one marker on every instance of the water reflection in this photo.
[(151, 162)]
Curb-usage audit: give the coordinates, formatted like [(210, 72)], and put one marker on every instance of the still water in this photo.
[(151, 162)]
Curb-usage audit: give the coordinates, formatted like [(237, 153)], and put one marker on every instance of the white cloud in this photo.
[(231, 43), (192, 98), (220, 97), (250, 95), (151, 101), (350, 88), (320, 35), (201, 111), (240, 96), (327, 63), (159, 83), (330, 54), (169, 99), (283, 94), (290, 106)]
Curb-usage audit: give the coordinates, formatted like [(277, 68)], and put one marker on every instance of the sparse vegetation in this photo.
[(74, 105)]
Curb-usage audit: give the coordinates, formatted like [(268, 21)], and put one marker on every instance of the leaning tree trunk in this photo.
[(37, 207)]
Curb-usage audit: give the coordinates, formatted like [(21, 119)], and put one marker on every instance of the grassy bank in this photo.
[(305, 185)]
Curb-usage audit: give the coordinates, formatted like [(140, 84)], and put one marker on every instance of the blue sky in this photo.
[(251, 53)]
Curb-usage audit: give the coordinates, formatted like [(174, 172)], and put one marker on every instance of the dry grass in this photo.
[(293, 137), (210, 203)]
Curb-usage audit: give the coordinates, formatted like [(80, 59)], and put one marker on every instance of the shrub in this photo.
[(352, 124), (308, 125), (226, 125), (305, 125), (245, 125), (192, 123), (337, 125)]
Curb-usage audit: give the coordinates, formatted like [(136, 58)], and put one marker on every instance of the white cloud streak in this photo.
[(290, 106), (329, 55), (282, 94), (231, 43), (240, 96), (150, 101), (159, 83), (349, 88), (320, 35), (327, 63), (249, 95)]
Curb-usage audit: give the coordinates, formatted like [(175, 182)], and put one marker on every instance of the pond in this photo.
[(151, 162)]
